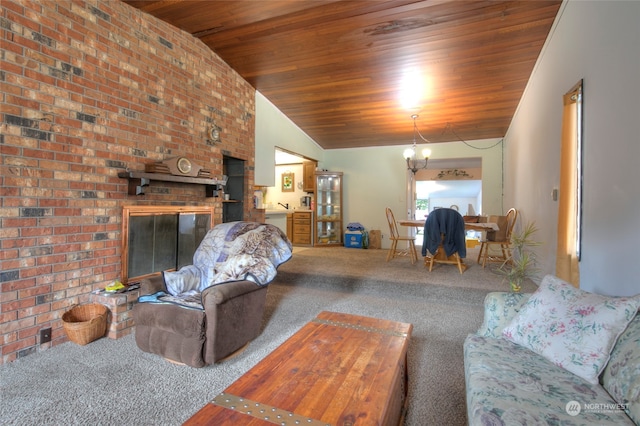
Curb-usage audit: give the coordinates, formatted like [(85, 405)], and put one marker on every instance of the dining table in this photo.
[(469, 226)]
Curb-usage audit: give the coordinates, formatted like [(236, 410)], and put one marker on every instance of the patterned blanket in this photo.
[(231, 251)]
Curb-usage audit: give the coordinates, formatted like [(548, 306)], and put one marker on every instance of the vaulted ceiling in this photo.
[(352, 73)]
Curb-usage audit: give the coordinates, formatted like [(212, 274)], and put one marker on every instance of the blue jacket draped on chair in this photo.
[(447, 222)]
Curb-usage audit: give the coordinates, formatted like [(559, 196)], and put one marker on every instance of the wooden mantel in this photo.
[(139, 180)]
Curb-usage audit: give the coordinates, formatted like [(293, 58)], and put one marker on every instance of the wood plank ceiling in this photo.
[(337, 68)]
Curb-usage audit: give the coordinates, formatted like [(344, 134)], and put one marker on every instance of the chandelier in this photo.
[(410, 154)]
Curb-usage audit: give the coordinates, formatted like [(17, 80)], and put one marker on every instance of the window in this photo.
[(570, 200)]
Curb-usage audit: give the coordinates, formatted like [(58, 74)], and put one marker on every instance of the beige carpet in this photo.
[(112, 382), (371, 264)]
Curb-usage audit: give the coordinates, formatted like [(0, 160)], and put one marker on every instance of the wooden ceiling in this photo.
[(336, 68)]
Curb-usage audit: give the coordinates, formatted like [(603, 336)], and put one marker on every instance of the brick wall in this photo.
[(89, 89)]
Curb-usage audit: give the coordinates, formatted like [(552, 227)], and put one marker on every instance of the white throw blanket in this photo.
[(232, 251)]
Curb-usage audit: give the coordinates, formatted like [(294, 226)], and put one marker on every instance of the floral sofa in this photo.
[(558, 356)]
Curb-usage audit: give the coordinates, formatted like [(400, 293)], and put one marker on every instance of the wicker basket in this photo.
[(85, 323)]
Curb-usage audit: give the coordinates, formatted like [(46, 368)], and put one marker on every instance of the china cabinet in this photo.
[(328, 208)]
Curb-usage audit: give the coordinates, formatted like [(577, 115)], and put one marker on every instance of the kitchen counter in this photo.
[(283, 211)]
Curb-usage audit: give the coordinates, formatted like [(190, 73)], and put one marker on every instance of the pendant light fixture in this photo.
[(414, 163)]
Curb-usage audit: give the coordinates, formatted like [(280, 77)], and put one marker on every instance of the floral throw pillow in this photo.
[(573, 329)]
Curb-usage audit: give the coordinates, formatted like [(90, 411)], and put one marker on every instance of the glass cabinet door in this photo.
[(328, 208)]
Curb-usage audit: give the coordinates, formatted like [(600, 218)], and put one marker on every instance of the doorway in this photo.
[(301, 170), (452, 183)]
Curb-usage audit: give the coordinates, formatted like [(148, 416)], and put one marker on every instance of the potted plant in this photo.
[(521, 264)]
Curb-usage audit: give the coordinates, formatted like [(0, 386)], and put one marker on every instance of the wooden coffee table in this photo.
[(338, 369)]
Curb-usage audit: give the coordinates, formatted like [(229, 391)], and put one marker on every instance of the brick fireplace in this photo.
[(92, 89)]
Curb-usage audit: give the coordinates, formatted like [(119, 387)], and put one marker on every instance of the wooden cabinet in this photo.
[(302, 227), (290, 226), (328, 208), (308, 176)]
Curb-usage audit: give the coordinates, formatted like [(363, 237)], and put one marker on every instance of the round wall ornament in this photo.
[(214, 133)]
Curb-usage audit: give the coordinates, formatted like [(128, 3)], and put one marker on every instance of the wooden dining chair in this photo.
[(395, 237), (504, 245), (441, 257), (444, 239)]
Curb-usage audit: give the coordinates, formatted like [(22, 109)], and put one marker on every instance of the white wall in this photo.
[(274, 129), (598, 41), (376, 178)]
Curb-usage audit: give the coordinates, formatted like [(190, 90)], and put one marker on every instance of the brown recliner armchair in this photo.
[(205, 312), (231, 318)]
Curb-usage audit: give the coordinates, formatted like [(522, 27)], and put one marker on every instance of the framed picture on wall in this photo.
[(288, 182)]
